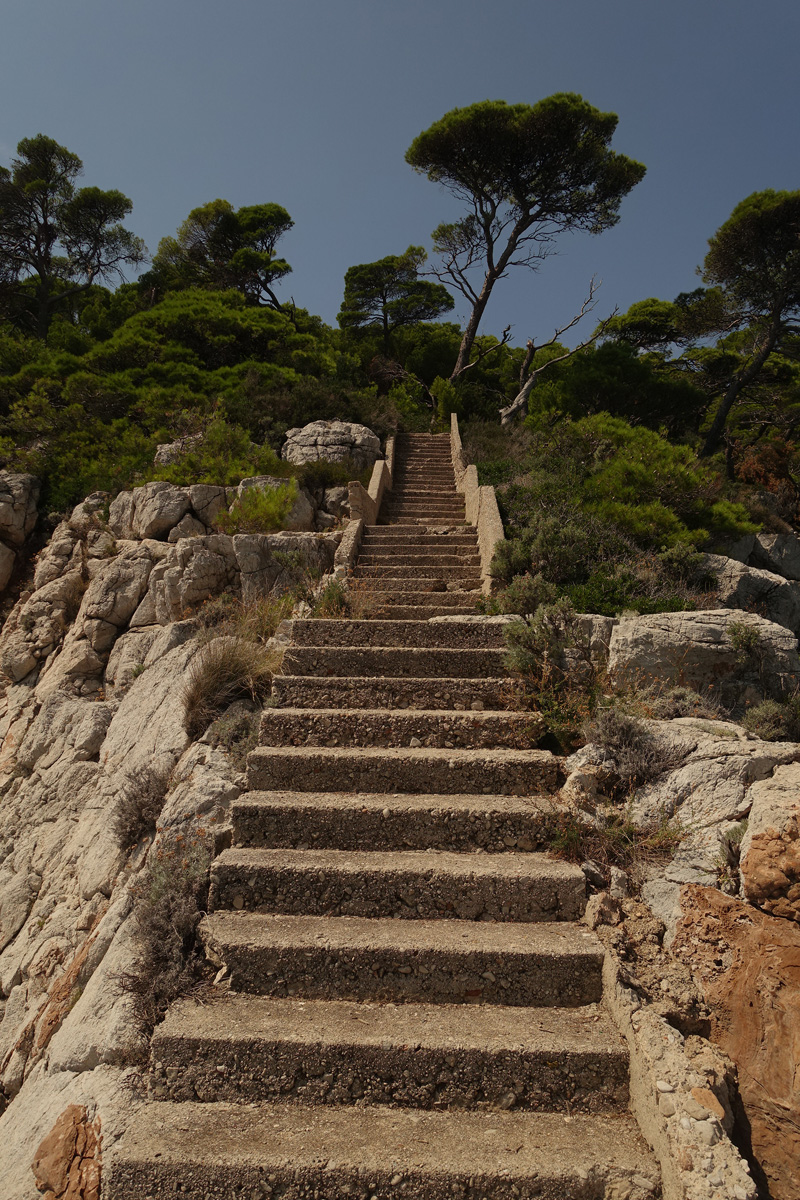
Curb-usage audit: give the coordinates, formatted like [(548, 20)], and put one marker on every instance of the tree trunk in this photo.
[(737, 384)]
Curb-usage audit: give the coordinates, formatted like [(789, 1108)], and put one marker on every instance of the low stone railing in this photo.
[(365, 502), (481, 506)]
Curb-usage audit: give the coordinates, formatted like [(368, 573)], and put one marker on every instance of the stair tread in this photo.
[(234, 1016), (545, 939), (531, 867), (329, 1142)]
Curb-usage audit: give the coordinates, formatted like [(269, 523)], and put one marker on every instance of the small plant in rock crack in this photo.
[(139, 804), (774, 720), (236, 732), (746, 641), (615, 840), (170, 896), (727, 862), (639, 755)]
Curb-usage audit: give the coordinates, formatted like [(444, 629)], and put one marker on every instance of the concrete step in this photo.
[(493, 772), (365, 692), (244, 1048), (391, 537), (386, 821), (425, 583), (378, 661), (421, 612), (437, 597), (441, 635), (533, 964), (434, 571), (354, 727), (408, 884), (424, 560), (434, 508), (353, 1153), (434, 522)]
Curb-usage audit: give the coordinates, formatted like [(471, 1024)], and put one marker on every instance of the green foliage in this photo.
[(774, 721), (525, 173), (259, 510), (56, 239), (332, 603), (389, 294), (220, 247)]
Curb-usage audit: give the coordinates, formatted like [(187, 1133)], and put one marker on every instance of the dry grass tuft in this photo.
[(225, 670)]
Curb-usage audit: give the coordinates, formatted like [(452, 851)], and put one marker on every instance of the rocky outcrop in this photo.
[(770, 849), (19, 496), (67, 1163), (700, 650), (755, 590), (775, 552), (748, 965), (332, 441)]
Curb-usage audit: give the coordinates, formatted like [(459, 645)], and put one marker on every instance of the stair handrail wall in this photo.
[(365, 503), (480, 502)]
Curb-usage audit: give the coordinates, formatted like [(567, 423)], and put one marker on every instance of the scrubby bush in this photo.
[(774, 721), (236, 732), (639, 755), (139, 804), (259, 510), (169, 899)]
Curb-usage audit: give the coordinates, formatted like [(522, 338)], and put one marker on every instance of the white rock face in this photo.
[(171, 452), (150, 511), (19, 495), (696, 649), (754, 590), (775, 552), (332, 441)]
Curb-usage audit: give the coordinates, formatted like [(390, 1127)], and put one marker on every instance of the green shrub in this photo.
[(333, 602), (525, 594), (236, 732), (259, 510), (774, 721)]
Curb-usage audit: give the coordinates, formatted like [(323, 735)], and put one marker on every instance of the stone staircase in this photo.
[(414, 1011)]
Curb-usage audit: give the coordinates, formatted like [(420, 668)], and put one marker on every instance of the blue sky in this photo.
[(312, 104)]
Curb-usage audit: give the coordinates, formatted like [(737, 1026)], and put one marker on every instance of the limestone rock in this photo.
[(150, 511), (194, 571), (271, 561), (336, 501), (695, 649), (113, 596), (748, 966), (19, 495), (188, 526), (207, 501), (775, 552), (126, 660), (755, 590), (61, 554), (770, 850), (7, 560), (67, 1163), (332, 441), (37, 625), (171, 452)]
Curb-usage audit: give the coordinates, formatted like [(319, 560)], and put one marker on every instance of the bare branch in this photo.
[(485, 353), (528, 377)]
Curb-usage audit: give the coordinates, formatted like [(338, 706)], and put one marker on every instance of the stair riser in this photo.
[(391, 538), (284, 821), (424, 975), (408, 895), (384, 582), (515, 731), (435, 597), (367, 693), (386, 560), (317, 771), (394, 661), (252, 1070), (417, 613), (397, 633)]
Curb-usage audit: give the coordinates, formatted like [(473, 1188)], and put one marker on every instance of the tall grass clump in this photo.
[(225, 670)]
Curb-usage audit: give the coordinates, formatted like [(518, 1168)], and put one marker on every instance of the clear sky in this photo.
[(312, 104)]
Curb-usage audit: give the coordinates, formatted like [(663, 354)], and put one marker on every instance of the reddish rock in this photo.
[(771, 871), (67, 1164), (748, 966)]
